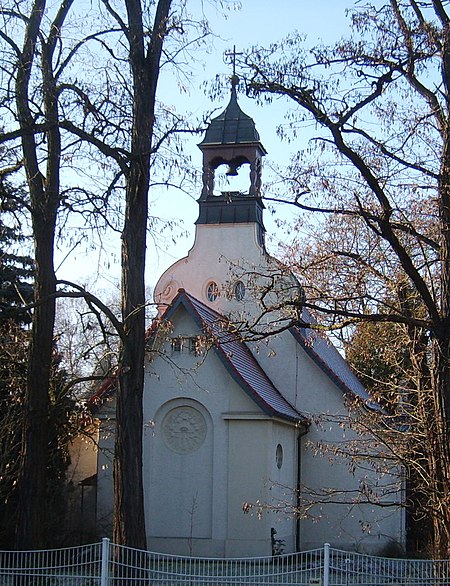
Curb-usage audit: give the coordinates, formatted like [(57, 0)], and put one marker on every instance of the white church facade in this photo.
[(233, 417)]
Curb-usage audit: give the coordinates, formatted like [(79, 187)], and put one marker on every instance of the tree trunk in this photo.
[(129, 518), (439, 456), (129, 512), (44, 198), (32, 492)]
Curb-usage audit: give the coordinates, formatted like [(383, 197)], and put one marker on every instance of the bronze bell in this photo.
[(232, 170)]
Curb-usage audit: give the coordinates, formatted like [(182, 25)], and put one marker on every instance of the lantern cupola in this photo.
[(232, 140)]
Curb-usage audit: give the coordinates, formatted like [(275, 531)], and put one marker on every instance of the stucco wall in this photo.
[(82, 486), (364, 527), (195, 501)]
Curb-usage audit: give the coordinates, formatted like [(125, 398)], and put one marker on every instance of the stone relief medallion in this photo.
[(184, 429)]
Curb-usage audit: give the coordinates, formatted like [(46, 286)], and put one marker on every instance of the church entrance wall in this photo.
[(179, 500)]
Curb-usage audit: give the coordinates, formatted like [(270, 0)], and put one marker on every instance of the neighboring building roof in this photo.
[(327, 357), (102, 392), (237, 358)]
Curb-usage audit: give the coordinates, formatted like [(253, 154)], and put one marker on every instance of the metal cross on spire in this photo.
[(233, 54)]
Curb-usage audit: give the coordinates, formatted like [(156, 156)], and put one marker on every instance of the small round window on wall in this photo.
[(279, 456), (212, 291), (239, 290)]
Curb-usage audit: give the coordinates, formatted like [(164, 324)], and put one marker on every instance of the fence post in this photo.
[(326, 564), (104, 576)]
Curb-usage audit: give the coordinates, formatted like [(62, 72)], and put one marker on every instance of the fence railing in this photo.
[(107, 564)]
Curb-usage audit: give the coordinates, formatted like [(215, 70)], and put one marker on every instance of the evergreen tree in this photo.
[(16, 268), (62, 426)]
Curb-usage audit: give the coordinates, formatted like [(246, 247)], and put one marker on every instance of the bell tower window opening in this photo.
[(232, 176)]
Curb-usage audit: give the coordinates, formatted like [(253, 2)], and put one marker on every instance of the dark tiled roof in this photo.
[(326, 356), (233, 126), (237, 358)]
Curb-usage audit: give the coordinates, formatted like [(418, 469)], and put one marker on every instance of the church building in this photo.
[(241, 397)]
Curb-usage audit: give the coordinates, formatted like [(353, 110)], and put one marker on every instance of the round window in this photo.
[(212, 291), (279, 456), (239, 290)]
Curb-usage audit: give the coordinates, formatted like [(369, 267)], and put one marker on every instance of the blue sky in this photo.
[(256, 22)]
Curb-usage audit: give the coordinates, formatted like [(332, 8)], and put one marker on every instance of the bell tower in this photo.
[(232, 139), (229, 231)]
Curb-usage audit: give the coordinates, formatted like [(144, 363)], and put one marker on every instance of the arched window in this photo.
[(239, 290)]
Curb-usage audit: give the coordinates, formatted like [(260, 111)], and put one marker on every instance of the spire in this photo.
[(232, 126)]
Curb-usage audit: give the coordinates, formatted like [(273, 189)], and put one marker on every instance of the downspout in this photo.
[(303, 431)]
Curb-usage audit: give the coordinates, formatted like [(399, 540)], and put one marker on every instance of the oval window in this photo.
[(212, 291), (239, 290), (279, 456)]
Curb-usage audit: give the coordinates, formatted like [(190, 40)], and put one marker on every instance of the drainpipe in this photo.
[(301, 433)]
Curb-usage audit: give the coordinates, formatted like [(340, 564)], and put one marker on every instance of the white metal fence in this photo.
[(106, 564)]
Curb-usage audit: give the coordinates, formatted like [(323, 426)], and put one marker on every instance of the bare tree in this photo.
[(101, 130), (129, 513), (379, 179), (39, 133)]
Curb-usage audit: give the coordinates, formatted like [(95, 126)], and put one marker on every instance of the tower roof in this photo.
[(232, 126)]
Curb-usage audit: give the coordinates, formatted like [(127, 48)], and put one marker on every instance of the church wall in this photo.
[(305, 385), (248, 444), (105, 493), (187, 513), (361, 527), (364, 527), (255, 479), (188, 487), (282, 483)]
